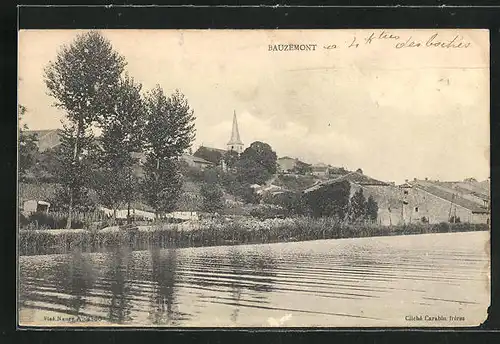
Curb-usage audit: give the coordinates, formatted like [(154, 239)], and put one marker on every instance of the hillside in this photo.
[(295, 183), (236, 199)]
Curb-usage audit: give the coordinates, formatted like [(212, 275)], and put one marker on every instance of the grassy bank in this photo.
[(216, 233)]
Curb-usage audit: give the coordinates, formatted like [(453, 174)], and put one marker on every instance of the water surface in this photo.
[(382, 281)]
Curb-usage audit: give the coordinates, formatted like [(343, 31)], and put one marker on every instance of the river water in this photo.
[(383, 281)]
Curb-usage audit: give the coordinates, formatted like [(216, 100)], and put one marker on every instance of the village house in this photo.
[(286, 164), (320, 170), (421, 201), (194, 161), (437, 201), (378, 189)]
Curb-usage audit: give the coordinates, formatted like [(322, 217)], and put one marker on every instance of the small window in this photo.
[(416, 209)]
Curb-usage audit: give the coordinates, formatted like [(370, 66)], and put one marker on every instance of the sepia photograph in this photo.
[(253, 178)]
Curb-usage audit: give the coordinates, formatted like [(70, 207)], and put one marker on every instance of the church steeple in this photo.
[(235, 143)]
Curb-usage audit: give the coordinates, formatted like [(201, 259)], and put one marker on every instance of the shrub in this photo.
[(41, 220), (442, 227), (267, 212), (23, 220), (331, 200), (213, 197)]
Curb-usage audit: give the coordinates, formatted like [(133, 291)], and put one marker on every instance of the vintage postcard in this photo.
[(253, 178)]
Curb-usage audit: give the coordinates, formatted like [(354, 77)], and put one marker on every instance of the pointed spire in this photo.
[(235, 133)]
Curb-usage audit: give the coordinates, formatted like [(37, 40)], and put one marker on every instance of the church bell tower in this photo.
[(235, 143)]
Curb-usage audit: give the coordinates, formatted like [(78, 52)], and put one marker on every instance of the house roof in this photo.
[(449, 196), (352, 177), (222, 151), (476, 189), (197, 159), (338, 170)]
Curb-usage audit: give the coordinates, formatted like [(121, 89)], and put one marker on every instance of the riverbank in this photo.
[(218, 233)]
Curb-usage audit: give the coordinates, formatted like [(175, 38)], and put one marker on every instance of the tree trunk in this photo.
[(70, 210), (79, 130), (129, 220)]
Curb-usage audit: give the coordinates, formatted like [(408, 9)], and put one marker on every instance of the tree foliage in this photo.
[(213, 197), (162, 184), (371, 209), (83, 81), (358, 206), (83, 77), (169, 131), (257, 163), (329, 201), (75, 176), (231, 158), (292, 202), (122, 136), (302, 168), (27, 146), (170, 123), (46, 167)]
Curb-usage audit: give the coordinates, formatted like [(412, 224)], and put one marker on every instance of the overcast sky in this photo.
[(396, 113)]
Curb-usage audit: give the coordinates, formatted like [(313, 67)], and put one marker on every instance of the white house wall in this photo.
[(392, 211)]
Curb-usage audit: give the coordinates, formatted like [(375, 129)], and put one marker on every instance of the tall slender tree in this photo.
[(169, 132), (83, 80), (74, 176), (120, 143)]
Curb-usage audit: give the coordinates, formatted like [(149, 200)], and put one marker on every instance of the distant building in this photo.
[(197, 162), (35, 206), (421, 201), (182, 215), (287, 164), (336, 172), (445, 202), (214, 155), (235, 143), (320, 170)]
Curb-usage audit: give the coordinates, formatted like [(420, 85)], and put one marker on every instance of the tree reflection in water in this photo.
[(236, 262), (74, 277), (164, 310), (120, 265), (251, 276)]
